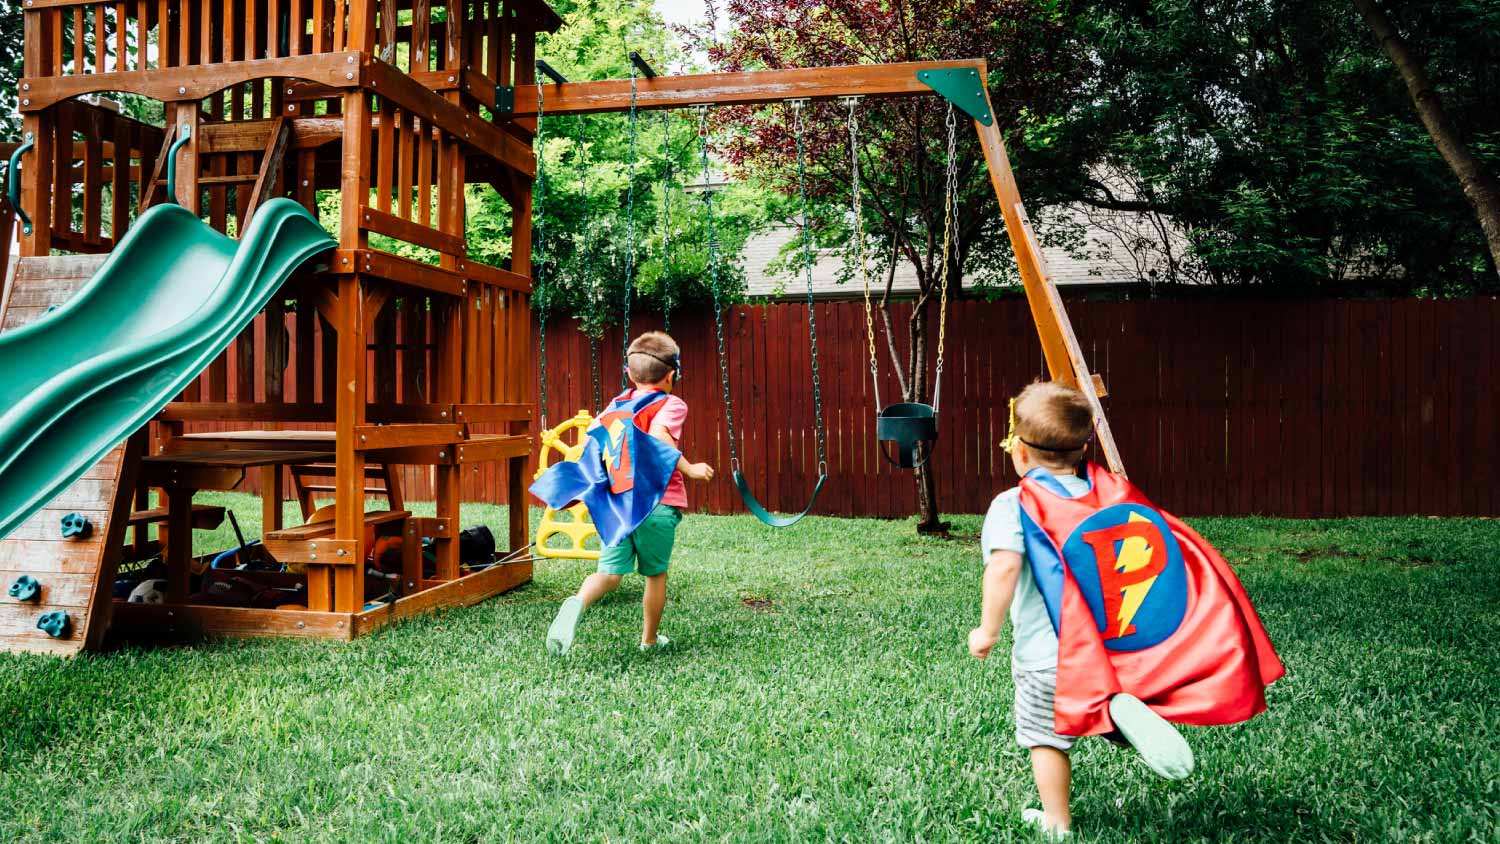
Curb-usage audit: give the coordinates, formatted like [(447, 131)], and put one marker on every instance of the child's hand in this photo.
[(699, 472), (981, 642)]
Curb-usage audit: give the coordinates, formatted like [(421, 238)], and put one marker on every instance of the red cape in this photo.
[(1141, 604)]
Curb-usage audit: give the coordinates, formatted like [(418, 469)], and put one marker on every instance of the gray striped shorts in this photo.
[(1035, 689)]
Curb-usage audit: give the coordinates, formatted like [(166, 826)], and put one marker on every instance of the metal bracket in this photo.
[(642, 65), (963, 87), (505, 99), (549, 71)]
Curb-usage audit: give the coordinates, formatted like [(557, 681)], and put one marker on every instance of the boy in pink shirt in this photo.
[(652, 363)]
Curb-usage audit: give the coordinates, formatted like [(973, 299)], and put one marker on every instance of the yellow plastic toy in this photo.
[(573, 523)]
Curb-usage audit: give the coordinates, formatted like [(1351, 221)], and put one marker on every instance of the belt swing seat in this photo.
[(741, 484), (911, 428)]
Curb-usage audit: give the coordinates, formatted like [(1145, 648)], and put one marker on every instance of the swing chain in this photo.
[(630, 240), (713, 275), (595, 289), (807, 265), (858, 234), (666, 222), (950, 249), (538, 261)]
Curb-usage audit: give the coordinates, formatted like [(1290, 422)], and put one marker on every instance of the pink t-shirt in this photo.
[(670, 418)]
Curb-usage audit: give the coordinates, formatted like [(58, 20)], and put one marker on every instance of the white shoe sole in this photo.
[(1161, 747), (564, 627)]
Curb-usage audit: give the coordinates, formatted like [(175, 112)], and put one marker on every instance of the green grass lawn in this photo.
[(818, 690)]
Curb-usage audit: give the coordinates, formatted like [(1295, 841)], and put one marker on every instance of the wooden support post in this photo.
[(1064, 356), (179, 542), (36, 185), (272, 493), (351, 389), (186, 114)]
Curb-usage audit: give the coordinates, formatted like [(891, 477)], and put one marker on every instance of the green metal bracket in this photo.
[(963, 87), (505, 99)]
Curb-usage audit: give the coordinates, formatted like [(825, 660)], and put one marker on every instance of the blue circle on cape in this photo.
[(1164, 606)]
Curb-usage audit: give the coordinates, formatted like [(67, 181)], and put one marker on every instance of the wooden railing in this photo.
[(84, 36), (102, 161)]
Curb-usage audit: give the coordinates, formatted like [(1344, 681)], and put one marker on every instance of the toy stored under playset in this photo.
[(178, 236)]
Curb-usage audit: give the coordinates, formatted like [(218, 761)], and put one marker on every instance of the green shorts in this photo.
[(648, 549)]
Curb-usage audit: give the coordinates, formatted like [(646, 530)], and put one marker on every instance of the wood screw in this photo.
[(182, 90), (301, 624)]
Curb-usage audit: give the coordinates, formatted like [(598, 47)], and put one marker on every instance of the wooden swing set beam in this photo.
[(1060, 346), (745, 88)]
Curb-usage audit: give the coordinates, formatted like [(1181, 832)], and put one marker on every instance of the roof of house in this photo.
[(762, 250)]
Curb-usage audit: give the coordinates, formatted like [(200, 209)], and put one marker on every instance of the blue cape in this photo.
[(621, 474)]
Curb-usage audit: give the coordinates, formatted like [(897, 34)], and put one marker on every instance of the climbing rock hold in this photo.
[(26, 588), (54, 624), (75, 526)]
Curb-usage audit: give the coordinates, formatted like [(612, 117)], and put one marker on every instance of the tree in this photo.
[(1033, 60), (11, 67), (1272, 136), (1479, 185), (594, 204)]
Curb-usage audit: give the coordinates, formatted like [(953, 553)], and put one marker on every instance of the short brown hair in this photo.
[(1055, 420), (648, 355)]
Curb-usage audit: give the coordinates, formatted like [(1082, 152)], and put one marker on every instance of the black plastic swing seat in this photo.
[(908, 425)]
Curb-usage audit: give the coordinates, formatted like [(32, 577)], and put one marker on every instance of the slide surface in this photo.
[(168, 300)]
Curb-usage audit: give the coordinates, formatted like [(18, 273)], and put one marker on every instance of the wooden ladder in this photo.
[(314, 480)]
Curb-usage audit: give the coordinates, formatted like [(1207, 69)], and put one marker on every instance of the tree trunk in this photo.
[(928, 520), (1480, 186)]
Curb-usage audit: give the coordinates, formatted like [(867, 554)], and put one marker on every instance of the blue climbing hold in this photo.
[(75, 526), (55, 624), (26, 588)]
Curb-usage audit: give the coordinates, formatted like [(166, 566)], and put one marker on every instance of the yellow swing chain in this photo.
[(857, 233), (950, 245)]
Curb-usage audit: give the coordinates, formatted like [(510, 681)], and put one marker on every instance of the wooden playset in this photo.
[(408, 351)]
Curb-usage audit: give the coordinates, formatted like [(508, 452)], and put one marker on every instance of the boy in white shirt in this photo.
[(1052, 426)]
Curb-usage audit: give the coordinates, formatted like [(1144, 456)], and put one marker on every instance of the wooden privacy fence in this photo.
[(1225, 407)]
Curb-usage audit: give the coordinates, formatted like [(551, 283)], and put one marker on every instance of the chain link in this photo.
[(666, 222), (714, 285), (538, 259), (858, 235), (807, 264), (630, 243), (950, 250)]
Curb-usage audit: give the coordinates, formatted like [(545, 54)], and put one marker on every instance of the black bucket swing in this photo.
[(741, 484), (910, 428)]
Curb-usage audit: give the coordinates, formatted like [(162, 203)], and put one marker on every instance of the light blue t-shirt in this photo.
[(1035, 641)]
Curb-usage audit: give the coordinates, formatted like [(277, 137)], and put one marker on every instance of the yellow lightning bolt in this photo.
[(1135, 553)]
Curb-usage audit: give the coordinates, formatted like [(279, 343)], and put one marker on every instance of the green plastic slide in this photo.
[(81, 379)]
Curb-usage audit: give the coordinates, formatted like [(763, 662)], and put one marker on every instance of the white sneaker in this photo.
[(1038, 819), (660, 643)]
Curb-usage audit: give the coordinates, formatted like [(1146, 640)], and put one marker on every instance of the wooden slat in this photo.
[(380, 222), (744, 88), (270, 166), (482, 136), (331, 69)]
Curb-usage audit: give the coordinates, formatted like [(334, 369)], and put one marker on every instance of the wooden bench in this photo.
[(320, 529), (205, 517)]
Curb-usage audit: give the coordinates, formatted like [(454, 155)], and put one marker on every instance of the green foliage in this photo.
[(818, 689), (583, 250), (11, 67), (1278, 136)]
